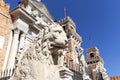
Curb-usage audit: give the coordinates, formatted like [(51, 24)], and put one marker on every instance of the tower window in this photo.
[(64, 28), (90, 62), (94, 61), (72, 27), (91, 54), (76, 49), (68, 36)]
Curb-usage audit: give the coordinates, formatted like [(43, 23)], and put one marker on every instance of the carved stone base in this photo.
[(65, 73), (86, 77), (34, 70)]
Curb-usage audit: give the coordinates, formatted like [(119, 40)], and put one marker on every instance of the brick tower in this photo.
[(96, 65), (74, 58), (74, 41), (5, 28)]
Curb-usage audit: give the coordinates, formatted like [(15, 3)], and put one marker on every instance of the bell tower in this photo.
[(74, 59), (74, 42), (96, 64)]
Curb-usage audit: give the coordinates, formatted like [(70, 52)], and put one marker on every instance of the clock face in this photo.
[(76, 49)]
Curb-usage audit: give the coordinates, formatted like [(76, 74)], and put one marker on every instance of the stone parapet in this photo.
[(66, 20)]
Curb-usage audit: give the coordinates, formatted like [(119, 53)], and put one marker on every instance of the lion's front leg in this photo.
[(50, 60), (61, 60), (61, 57)]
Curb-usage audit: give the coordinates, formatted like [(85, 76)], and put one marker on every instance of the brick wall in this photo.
[(115, 78), (5, 27)]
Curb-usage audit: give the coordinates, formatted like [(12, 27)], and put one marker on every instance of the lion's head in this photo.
[(57, 37)]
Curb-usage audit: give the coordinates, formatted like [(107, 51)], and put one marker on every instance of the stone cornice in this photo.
[(21, 13), (66, 20)]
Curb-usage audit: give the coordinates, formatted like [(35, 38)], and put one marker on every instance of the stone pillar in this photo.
[(20, 51), (8, 51), (61, 60), (21, 44), (14, 49)]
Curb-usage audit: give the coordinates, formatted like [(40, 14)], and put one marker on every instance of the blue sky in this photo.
[(98, 22)]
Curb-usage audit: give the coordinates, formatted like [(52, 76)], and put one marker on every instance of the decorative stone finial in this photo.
[(1, 2)]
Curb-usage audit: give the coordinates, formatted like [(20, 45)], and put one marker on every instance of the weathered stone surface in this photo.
[(38, 63), (65, 73), (49, 54), (35, 70)]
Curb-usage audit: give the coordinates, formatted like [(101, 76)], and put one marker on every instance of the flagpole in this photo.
[(65, 11)]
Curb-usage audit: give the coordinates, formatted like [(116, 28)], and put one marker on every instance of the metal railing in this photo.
[(6, 74)]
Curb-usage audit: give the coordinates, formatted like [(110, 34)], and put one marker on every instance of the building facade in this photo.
[(5, 32), (30, 30)]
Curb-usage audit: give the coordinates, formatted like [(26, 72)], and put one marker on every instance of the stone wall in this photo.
[(5, 25)]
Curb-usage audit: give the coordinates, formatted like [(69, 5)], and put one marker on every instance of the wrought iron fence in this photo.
[(6, 74)]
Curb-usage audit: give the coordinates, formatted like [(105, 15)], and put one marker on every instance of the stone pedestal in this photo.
[(86, 77), (65, 73), (35, 70)]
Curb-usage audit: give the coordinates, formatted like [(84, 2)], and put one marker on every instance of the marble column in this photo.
[(14, 48)]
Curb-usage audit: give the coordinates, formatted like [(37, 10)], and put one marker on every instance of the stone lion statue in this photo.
[(57, 44), (49, 47)]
